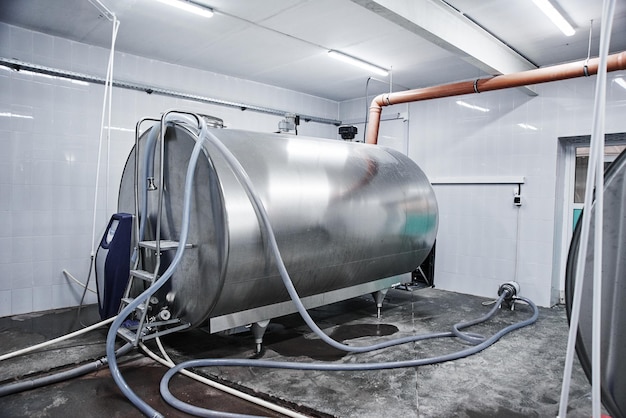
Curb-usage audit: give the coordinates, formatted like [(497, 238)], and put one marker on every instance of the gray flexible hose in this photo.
[(18, 387), (194, 410), (148, 162), (270, 238), (272, 245), (481, 342), (115, 372)]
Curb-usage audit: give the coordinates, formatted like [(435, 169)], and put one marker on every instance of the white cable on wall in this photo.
[(106, 108), (78, 282), (594, 183), (106, 105)]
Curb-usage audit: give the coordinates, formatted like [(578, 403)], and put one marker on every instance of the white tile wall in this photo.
[(47, 162), (477, 241)]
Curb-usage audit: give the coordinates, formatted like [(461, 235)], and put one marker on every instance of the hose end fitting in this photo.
[(511, 288)]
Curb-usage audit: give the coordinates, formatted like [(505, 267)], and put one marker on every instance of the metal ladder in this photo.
[(147, 325)]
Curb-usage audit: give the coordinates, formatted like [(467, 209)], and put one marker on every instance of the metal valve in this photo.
[(164, 315)]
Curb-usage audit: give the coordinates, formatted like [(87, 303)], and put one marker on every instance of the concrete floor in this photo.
[(519, 376)]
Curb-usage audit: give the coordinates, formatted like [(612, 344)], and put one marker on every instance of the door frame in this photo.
[(564, 204)]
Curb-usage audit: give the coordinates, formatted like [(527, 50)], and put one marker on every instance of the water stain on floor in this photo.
[(317, 349)]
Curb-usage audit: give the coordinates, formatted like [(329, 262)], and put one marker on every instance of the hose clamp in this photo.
[(476, 86)]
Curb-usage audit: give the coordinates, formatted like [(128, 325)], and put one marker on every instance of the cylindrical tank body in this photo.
[(343, 214)]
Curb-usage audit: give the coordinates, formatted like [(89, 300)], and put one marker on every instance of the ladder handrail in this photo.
[(136, 188), (161, 187), (162, 180)]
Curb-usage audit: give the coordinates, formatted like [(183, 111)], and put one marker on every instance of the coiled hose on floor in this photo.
[(202, 412)]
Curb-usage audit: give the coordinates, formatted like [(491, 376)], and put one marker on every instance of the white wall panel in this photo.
[(451, 141), (477, 240), (48, 160)]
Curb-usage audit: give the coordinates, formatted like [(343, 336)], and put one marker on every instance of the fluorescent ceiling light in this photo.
[(620, 82), (527, 126), (115, 128), (28, 72), (48, 76), (548, 9), (357, 62), (14, 115), (470, 106), (190, 7)]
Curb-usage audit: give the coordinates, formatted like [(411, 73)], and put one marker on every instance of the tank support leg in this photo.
[(379, 297), (258, 330)]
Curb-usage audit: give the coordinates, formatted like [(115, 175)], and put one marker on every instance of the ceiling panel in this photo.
[(524, 27), (256, 11), (284, 42), (264, 50)]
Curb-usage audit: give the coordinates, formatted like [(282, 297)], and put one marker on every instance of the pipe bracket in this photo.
[(586, 70)]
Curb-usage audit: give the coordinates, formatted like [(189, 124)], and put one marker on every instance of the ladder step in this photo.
[(166, 331), (127, 334), (142, 274), (166, 245), (140, 308)]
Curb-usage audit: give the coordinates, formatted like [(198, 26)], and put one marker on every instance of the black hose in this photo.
[(18, 387), (82, 298)]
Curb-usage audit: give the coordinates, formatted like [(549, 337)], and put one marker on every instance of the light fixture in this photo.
[(359, 63), (43, 75), (190, 7), (115, 128), (470, 106), (620, 82), (15, 115), (527, 126), (549, 10), (28, 72)]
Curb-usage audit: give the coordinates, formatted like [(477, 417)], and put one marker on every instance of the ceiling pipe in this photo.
[(615, 62)]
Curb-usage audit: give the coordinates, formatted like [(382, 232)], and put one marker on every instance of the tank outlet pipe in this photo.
[(584, 68)]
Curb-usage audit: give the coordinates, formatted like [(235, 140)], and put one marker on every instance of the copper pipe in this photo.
[(540, 75)]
